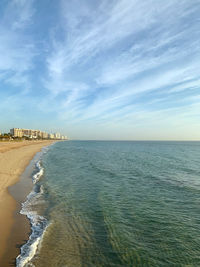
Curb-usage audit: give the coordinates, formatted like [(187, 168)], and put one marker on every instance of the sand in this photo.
[(14, 157)]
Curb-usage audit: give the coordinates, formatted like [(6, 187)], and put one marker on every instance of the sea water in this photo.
[(102, 203)]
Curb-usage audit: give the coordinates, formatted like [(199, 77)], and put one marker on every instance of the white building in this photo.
[(57, 136), (51, 136)]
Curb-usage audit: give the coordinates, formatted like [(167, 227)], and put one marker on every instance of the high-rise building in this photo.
[(16, 132), (51, 136), (44, 135), (35, 134), (57, 136)]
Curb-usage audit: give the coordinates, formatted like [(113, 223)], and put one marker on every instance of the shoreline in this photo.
[(14, 159)]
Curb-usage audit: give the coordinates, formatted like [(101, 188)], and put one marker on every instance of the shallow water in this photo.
[(119, 204)]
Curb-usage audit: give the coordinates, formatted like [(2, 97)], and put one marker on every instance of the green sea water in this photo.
[(120, 204)]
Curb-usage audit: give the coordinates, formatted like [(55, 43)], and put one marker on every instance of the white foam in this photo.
[(38, 223), (38, 175), (29, 249)]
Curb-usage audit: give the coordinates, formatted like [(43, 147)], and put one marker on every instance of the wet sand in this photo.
[(14, 157)]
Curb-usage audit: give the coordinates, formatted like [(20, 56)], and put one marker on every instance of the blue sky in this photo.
[(117, 69)]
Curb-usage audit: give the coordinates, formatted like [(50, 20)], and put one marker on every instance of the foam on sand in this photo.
[(38, 222)]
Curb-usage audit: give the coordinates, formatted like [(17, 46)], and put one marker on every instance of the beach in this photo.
[(14, 158)]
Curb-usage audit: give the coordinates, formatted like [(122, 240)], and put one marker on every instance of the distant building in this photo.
[(35, 134), (44, 135), (57, 136), (16, 132), (63, 137), (51, 136), (30, 133)]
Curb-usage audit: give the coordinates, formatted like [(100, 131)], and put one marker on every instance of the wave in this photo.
[(38, 222)]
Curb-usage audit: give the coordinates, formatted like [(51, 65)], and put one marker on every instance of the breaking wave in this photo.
[(38, 222)]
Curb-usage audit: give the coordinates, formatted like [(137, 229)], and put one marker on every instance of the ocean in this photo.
[(114, 203)]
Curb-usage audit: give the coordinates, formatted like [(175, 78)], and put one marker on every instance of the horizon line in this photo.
[(136, 140)]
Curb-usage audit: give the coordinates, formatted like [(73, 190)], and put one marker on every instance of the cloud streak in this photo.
[(16, 49), (126, 48), (102, 62)]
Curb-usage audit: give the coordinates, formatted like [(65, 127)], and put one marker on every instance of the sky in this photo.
[(101, 69)]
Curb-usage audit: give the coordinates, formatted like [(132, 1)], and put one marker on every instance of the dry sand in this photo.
[(14, 157)]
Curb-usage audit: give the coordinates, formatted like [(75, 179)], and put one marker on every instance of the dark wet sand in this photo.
[(18, 236)]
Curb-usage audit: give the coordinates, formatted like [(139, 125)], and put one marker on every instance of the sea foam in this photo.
[(38, 223)]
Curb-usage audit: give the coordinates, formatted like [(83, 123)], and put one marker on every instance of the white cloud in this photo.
[(16, 48), (103, 58), (88, 31), (103, 61)]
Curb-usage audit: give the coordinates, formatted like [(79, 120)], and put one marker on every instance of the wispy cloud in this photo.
[(16, 47), (121, 49), (104, 62)]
